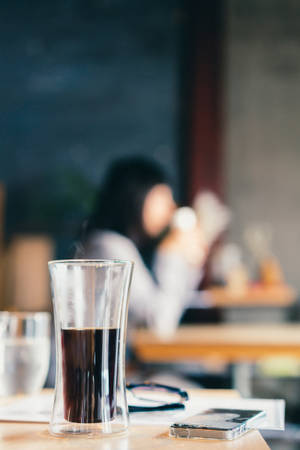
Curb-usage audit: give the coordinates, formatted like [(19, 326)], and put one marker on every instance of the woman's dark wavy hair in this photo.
[(119, 202)]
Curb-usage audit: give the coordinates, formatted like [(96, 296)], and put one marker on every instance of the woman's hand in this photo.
[(190, 244)]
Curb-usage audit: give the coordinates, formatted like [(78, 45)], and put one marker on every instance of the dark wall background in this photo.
[(81, 83)]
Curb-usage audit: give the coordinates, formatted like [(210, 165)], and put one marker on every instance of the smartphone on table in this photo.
[(218, 423)]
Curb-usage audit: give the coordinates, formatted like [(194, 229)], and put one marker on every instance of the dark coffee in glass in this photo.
[(89, 372)]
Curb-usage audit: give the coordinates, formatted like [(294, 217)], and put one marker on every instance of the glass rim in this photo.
[(92, 262), (26, 314)]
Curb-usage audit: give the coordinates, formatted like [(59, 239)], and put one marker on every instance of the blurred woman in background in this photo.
[(131, 220)]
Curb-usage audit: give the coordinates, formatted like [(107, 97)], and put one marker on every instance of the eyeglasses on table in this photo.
[(150, 396)]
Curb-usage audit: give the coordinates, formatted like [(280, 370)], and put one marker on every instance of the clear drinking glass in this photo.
[(90, 300), (24, 351)]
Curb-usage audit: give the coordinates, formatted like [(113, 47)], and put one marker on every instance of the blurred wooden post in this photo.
[(27, 281), (201, 86)]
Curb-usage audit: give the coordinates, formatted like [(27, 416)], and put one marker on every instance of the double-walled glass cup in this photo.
[(90, 300)]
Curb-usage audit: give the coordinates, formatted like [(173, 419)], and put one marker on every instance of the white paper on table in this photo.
[(38, 409), (274, 409), (31, 408)]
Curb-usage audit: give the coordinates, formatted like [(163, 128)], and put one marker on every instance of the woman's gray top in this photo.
[(159, 303)]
